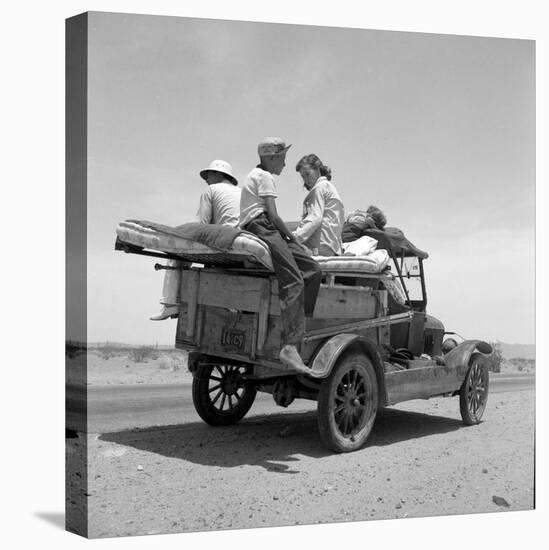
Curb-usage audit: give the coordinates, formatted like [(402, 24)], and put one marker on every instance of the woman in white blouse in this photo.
[(323, 212)]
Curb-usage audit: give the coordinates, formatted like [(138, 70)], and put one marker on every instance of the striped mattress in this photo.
[(245, 247)]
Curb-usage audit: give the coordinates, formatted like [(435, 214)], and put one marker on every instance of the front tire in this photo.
[(221, 396), (473, 394), (347, 403)]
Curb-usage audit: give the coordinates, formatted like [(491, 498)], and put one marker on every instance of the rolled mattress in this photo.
[(245, 246)]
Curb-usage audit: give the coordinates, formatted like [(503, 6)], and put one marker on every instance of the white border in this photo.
[(33, 284)]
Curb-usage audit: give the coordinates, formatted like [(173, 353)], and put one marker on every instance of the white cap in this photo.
[(272, 146)]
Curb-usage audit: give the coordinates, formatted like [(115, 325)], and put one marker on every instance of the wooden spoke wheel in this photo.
[(347, 403), (474, 391), (221, 396)]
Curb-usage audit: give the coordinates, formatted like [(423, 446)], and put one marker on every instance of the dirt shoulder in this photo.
[(122, 369), (273, 470), (170, 367)]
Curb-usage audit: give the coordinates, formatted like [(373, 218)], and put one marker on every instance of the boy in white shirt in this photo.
[(297, 273)]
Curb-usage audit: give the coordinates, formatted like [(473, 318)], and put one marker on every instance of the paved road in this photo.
[(112, 408)]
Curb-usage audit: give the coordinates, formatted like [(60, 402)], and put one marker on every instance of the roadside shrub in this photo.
[(163, 364), (523, 364), (166, 362), (142, 354), (106, 352), (496, 358)]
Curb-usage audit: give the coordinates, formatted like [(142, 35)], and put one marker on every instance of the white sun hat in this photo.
[(220, 166)]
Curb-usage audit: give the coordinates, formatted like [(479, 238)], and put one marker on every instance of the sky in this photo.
[(436, 130)]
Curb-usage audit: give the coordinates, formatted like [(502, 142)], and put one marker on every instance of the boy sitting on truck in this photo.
[(297, 273), (219, 204)]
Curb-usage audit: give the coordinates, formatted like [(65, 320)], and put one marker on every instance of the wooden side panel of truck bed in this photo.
[(246, 308)]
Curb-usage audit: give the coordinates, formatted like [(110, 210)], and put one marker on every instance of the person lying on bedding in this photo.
[(323, 213), (359, 221), (219, 204)]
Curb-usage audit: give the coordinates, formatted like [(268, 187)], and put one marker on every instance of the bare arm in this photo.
[(205, 208), (276, 220)]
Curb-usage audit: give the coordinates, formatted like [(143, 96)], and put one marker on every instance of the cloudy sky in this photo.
[(439, 131)]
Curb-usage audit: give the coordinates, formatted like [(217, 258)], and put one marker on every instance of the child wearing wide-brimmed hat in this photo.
[(219, 204)]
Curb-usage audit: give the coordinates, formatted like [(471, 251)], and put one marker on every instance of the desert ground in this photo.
[(272, 470)]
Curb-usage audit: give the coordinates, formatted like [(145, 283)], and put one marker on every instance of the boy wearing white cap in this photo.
[(219, 204), (297, 273)]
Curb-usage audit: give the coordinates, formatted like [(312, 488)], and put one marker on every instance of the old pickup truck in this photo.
[(369, 344)]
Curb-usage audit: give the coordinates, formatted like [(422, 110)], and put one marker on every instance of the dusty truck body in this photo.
[(370, 342)]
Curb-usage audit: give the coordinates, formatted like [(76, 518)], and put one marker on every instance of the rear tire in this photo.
[(221, 396), (473, 394), (347, 403)]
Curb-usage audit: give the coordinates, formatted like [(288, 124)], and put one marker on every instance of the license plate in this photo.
[(231, 338)]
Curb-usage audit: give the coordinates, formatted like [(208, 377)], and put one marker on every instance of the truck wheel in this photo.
[(473, 394), (347, 403), (220, 395)]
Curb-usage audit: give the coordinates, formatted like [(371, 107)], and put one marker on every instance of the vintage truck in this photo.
[(370, 342)]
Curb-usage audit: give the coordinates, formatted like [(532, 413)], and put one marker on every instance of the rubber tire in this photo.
[(203, 402), (469, 418), (329, 432)]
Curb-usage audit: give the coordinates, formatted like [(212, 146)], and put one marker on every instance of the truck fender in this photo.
[(332, 349), (461, 354), (459, 357)]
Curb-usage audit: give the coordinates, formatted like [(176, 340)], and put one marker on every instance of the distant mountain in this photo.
[(526, 351)]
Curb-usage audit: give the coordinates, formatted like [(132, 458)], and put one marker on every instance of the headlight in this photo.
[(448, 345)]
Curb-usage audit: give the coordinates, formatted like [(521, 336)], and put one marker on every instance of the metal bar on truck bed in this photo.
[(158, 267), (329, 331), (192, 293), (133, 249), (263, 314)]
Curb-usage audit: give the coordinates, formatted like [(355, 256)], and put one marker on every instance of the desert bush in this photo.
[(142, 354), (521, 363), (106, 351), (163, 364), (496, 358)]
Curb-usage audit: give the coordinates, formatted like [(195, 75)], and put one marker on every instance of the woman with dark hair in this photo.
[(323, 212)]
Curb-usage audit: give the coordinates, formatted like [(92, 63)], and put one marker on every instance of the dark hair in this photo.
[(313, 161), (377, 215)]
